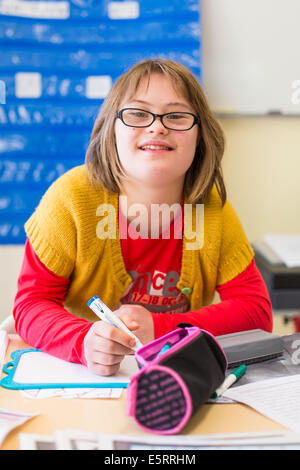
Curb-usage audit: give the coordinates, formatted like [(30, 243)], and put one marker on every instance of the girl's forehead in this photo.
[(155, 83)]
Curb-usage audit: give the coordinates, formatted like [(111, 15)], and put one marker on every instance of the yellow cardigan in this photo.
[(64, 229)]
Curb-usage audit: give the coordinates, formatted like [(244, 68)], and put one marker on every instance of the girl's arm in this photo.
[(245, 305), (42, 321), (40, 318)]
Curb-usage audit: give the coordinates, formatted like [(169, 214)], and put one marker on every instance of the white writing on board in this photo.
[(33, 9), (98, 86), (2, 92), (28, 85), (123, 10)]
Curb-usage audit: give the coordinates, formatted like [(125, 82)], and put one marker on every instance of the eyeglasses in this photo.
[(176, 121)]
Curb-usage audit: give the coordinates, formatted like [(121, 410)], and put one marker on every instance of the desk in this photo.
[(109, 415)]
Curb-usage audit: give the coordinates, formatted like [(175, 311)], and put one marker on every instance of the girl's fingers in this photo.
[(115, 340)]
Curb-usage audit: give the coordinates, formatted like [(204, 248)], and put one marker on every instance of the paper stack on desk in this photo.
[(277, 399), (286, 247), (76, 439), (10, 419), (73, 393), (273, 387)]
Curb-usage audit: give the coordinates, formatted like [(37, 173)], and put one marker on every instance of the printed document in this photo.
[(278, 399)]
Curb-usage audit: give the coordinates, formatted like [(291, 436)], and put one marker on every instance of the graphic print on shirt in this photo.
[(154, 265), (156, 291)]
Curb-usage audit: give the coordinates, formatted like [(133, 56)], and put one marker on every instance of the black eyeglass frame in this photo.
[(119, 115)]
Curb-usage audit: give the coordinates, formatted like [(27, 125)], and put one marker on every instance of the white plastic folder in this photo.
[(34, 369)]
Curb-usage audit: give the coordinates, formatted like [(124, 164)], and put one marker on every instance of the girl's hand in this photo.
[(105, 347), (139, 320)]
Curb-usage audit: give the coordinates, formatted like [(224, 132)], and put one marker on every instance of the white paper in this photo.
[(33, 9), (10, 419), (286, 247), (28, 85), (123, 10), (72, 393), (98, 86), (277, 399), (74, 439), (39, 367), (2, 92), (3, 347), (268, 440), (37, 442)]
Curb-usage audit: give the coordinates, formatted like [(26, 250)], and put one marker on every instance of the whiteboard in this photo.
[(251, 55)]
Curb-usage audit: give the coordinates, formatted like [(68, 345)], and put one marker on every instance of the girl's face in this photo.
[(139, 149)]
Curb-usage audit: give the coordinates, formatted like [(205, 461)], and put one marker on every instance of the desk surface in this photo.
[(109, 415)]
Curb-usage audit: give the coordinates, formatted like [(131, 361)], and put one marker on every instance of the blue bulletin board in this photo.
[(58, 60)]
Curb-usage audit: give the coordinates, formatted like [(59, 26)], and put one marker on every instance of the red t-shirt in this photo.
[(42, 321), (154, 267)]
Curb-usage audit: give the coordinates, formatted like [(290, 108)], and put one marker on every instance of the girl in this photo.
[(155, 144)]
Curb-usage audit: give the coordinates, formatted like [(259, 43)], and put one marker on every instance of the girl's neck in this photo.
[(141, 200), (147, 195)]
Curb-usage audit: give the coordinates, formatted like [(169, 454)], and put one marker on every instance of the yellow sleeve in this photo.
[(51, 229), (236, 252)]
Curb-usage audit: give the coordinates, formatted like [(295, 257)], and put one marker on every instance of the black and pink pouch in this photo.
[(178, 373)]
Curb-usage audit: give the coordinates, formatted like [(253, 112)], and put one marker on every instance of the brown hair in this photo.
[(102, 159)]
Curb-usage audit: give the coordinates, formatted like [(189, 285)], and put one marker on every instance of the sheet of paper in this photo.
[(3, 347), (286, 247), (277, 399), (286, 365), (29, 441), (74, 439), (73, 393), (223, 441), (42, 9), (10, 419), (39, 367)]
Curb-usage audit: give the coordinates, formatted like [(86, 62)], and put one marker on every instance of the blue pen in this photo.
[(105, 314)]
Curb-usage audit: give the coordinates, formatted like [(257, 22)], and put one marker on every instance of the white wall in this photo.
[(10, 264), (262, 170)]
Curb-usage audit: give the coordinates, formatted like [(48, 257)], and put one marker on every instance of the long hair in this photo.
[(102, 160)]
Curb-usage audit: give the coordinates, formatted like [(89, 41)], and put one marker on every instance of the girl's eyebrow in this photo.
[(175, 103)]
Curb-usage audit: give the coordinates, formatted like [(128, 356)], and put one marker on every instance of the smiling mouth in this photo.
[(155, 147)]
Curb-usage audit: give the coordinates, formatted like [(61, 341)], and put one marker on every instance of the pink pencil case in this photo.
[(172, 384)]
